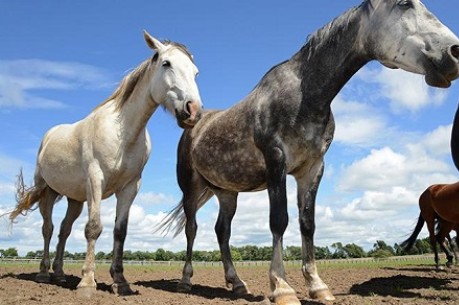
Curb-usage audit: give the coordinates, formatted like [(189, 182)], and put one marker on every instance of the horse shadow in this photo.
[(401, 286), (210, 292), (71, 282), (203, 291)]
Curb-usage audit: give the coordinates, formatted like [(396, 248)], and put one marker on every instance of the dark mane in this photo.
[(129, 82), (330, 33)]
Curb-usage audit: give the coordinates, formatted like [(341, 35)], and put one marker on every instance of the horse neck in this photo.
[(328, 60), (136, 110)]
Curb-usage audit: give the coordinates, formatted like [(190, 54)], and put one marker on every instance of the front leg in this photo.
[(308, 184), (124, 201), (282, 293), (93, 229)]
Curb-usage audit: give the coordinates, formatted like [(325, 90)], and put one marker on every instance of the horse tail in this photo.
[(408, 244), (26, 197), (175, 220)]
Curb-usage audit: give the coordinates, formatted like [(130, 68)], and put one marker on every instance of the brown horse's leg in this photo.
[(228, 204)]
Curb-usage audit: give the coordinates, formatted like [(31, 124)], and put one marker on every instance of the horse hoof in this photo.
[(86, 292), (322, 294), (241, 290), (43, 278), (287, 299), (184, 287), (123, 289), (60, 279)]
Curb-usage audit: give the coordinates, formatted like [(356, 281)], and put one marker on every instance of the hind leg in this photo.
[(46, 205), (430, 221), (195, 195), (228, 204), (74, 209)]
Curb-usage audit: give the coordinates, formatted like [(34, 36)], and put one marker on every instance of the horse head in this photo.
[(173, 83), (404, 34)]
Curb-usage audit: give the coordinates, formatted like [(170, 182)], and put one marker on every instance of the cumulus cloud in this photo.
[(405, 91), (20, 78), (358, 123)]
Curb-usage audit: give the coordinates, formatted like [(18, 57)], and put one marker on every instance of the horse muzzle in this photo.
[(442, 72), (189, 115)]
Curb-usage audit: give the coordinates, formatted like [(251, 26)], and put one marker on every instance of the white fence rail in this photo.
[(237, 263)]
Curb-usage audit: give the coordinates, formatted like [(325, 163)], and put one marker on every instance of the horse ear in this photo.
[(153, 43)]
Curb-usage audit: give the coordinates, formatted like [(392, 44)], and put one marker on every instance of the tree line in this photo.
[(249, 253)]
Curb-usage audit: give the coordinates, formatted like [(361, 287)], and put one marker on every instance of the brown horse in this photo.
[(438, 203)]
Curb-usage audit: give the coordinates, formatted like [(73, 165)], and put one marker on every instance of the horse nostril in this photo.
[(188, 107), (455, 51)]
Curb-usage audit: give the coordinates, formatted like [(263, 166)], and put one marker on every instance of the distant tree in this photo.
[(180, 256), (10, 252), (424, 245), (30, 254), (339, 250), (322, 253), (381, 253), (249, 253), (215, 256), (354, 251), (235, 254), (292, 253), (100, 255), (381, 247)]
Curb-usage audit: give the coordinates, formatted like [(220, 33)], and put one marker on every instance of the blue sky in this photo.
[(59, 59)]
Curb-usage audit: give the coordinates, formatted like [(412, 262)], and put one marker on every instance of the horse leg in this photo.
[(282, 293), (46, 204), (74, 209), (446, 246), (123, 205), (454, 248), (307, 185), (195, 194), (430, 221), (228, 204), (92, 231)]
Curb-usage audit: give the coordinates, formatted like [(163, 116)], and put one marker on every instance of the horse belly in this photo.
[(236, 169)]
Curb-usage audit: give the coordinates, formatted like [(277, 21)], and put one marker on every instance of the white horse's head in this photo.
[(404, 34), (173, 84)]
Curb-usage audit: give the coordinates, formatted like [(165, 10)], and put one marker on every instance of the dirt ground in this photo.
[(416, 284)]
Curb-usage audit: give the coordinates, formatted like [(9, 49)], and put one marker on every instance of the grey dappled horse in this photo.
[(104, 154), (285, 126)]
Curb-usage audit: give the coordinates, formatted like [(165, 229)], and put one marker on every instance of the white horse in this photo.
[(105, 153)]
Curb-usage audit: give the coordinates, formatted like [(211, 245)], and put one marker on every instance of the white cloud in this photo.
[(405, 91), (358, 123), (19, 79), (151, 198)]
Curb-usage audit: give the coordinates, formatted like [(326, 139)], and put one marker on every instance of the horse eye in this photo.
[(405, 3), (166, 64)]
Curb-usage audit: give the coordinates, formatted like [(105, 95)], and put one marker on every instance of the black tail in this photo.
[(408, 244)]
